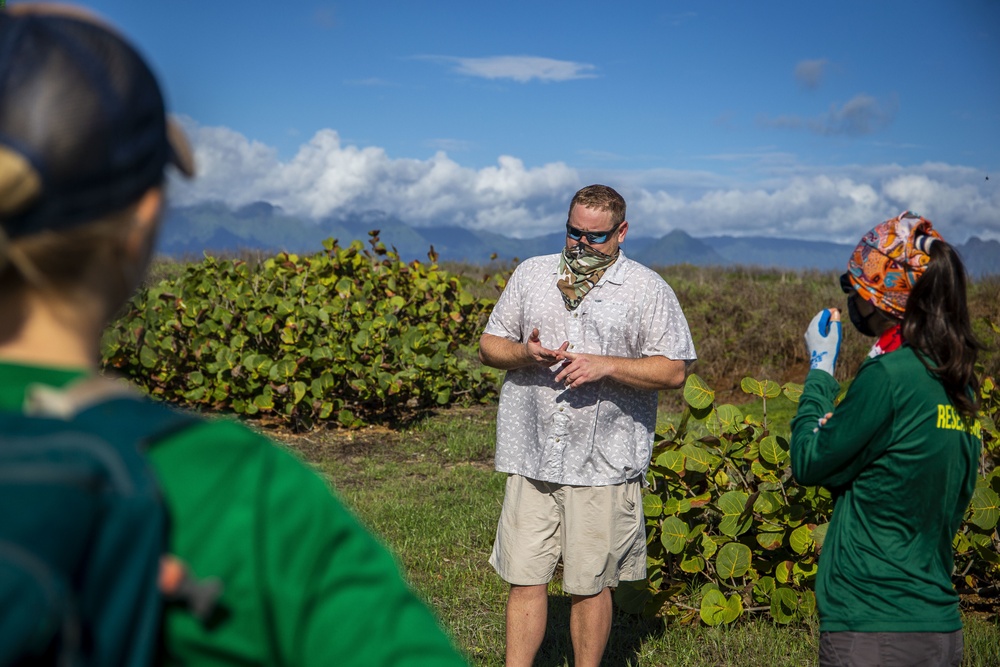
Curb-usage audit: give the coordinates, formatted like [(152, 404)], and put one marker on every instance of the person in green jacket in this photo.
[(84, 144), (899, 453)]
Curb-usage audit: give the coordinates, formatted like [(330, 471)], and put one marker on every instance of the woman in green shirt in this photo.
[(84, 142), (899, 453)]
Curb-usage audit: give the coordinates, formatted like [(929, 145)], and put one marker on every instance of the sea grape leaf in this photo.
[(674, 534), (652, 505), (784, 605), (735, 520), (733, 560), (984, 509), (801, 539), (697, 393)]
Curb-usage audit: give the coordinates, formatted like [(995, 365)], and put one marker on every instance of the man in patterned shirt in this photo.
[(587, 337)]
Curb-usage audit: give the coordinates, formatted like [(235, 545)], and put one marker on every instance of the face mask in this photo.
[(580, 268), (862, 324), (581, 252)]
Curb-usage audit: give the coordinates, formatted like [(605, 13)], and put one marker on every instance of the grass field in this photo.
[(429, 491), (431, 494)]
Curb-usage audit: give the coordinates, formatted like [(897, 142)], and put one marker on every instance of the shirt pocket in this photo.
[(606, 328)]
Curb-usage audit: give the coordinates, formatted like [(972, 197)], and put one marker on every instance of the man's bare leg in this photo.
[(589, 627), (527, 609)]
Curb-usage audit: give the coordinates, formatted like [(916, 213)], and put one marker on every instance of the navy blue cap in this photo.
[(83, 128)]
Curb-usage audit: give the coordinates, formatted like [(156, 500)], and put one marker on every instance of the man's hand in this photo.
[(579, 369), (507, 354), (543, 355), (576, 369)]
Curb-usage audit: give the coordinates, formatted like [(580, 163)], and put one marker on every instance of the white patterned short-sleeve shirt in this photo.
[(599, 433)]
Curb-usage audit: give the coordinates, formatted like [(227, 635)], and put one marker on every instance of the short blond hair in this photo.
[(602, 198), (82, 257)]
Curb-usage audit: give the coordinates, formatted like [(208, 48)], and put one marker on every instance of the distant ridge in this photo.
[(213, 227), (676, 247), (782, 253)]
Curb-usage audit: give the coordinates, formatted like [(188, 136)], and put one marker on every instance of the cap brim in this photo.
[(181, 155)]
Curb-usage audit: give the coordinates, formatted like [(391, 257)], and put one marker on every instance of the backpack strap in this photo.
[(94, 402), (66, 402)]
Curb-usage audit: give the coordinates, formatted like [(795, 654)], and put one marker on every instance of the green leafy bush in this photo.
[(731, 533), (348, 334), (977, 547)]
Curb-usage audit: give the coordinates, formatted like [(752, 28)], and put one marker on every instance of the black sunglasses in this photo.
[(592, 237), (845, 283)]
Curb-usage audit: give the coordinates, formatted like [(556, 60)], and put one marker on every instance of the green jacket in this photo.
[(304, 582), (902, 468)]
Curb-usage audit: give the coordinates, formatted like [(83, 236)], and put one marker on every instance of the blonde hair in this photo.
[(602, 198), (58, 264)]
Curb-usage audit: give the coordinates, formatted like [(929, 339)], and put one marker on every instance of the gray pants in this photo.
[(890, 649)]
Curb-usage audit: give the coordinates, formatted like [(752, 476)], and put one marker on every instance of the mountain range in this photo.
[(215, 228)]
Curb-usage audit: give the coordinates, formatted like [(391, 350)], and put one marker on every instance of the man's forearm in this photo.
[(653, 373), (647, 373), (503, 353)]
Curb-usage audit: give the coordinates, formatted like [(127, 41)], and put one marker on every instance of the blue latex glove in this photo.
[(823, 340)]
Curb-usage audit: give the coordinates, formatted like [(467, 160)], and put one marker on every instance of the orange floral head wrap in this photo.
[(889, 260)]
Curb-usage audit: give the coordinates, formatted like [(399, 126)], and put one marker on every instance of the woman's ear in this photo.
[(139, 238)]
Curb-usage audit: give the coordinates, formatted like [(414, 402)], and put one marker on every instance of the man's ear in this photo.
[(622, 231), (144, 222)]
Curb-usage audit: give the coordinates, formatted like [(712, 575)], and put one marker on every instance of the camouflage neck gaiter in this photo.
[(580, 268)]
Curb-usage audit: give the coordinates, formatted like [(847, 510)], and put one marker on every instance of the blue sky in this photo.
[(799, 119)]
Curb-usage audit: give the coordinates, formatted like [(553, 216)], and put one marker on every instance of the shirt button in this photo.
[(562, 409), (557, 439)]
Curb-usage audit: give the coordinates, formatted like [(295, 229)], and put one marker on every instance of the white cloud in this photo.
[(519, 68), (222, 158), (328, 178), (835, 204)]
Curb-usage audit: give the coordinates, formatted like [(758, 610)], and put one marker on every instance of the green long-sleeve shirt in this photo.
[(902, 466), (304, 582)]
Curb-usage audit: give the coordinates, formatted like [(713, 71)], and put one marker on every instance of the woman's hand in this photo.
[(823, 340)]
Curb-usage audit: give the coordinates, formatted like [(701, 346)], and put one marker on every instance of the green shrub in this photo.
[(730, 532), (347, 334)]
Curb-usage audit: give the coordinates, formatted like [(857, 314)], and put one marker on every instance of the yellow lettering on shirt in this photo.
[(949, 418)]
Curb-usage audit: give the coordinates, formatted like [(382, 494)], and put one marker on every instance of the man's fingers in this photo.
[(564, 371)]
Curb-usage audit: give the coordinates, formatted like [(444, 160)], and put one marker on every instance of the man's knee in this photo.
[(576, 599), (528, 594)]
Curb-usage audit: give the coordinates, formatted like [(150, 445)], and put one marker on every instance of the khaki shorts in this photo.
[(599, 531)]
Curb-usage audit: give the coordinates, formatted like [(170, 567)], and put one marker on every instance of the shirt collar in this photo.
[(15, 379), (616, 272)]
